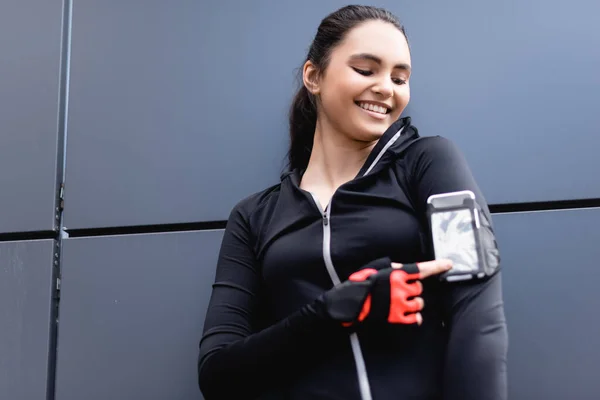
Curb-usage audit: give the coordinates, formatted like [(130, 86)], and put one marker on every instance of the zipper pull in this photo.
[(325, 220)]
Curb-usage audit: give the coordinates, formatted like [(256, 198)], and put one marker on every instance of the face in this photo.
[(365, 87)]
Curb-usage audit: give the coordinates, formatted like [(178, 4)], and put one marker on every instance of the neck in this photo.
[(335, 159)]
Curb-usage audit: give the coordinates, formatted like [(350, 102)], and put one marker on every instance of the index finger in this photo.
[(434, 267)]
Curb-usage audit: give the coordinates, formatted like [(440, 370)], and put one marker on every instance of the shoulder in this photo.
[(433, 146), (438, 150), (249, 205), (242, 223)]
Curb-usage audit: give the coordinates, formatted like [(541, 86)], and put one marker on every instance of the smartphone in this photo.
[(455, 234)]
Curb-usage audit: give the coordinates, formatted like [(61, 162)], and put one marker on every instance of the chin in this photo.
[(378, 128), (368, 131), (371, 134)]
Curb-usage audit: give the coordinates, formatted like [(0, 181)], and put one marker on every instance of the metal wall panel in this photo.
[(171, 109), (184, 105), (128, 303), (515, 84), (131, 315), (26, 309), (551, 280), (30, 39)]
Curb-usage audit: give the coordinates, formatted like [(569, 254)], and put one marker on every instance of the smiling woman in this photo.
[(322, 279)]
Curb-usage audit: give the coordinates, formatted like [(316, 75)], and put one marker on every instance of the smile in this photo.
[(374, 110)]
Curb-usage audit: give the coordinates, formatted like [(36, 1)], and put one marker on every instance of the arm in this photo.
[(234, 358), (477, 349)]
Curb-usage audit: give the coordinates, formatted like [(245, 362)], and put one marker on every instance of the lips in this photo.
[(373, 107), (377, 111)]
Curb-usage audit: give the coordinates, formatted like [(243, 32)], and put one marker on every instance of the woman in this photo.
[(310, 300)]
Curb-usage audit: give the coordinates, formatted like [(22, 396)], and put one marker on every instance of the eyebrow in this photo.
[(371, 57)]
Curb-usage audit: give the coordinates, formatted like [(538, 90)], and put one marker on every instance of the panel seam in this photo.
[(61, 151)]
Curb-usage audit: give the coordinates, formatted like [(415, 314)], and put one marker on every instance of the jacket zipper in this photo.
[(361, 368)]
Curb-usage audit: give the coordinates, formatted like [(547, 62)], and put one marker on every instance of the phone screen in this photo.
[(454, 239)]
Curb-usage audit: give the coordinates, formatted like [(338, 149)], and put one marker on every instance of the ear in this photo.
[(310, 78)]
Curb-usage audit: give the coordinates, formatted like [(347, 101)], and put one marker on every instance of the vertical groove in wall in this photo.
[(61, 151)]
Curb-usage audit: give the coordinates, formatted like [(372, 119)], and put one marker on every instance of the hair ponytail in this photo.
[(303, 121)]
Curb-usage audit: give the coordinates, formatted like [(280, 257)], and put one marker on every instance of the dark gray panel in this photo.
[(180, 106), (124, 298), (551, 295), (131, 315), (30, 41), (26, 309), (515, 84), (170, 108)]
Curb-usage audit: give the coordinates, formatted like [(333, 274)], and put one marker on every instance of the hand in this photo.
[(381, 291), (425, 270)]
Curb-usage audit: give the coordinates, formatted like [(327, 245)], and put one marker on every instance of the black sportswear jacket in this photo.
[(280, 251)]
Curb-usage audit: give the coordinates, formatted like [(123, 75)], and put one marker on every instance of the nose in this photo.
[(384, 88)]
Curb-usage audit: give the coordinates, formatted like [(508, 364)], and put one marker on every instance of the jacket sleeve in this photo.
[(478, 339), (237, 359)]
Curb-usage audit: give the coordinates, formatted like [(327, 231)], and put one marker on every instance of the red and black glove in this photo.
[(377, 293)]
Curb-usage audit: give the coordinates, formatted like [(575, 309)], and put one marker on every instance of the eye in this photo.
[(398, 81), (363, 72)]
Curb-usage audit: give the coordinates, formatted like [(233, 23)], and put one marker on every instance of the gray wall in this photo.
[(30, 49), (26, 286), (177, 110)]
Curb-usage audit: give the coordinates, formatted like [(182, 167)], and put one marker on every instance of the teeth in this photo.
[(374, 108)]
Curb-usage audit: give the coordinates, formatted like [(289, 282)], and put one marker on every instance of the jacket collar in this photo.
[(387, 148)]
